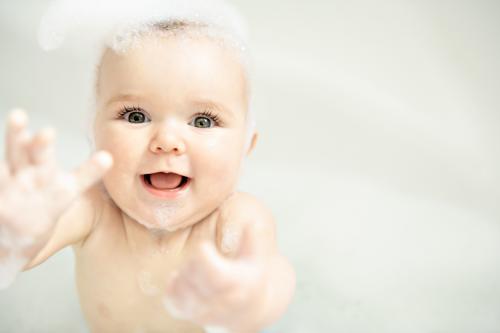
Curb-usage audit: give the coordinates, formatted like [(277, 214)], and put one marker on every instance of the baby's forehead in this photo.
[(194, 61)]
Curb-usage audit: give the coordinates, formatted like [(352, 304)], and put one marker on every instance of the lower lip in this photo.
[(165, 194)]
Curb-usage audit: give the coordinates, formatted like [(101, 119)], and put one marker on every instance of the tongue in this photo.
[(165, 181)]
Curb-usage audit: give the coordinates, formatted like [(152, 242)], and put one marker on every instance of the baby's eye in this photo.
[(136, 117), (133, 115), (202, 122), (205, 120)]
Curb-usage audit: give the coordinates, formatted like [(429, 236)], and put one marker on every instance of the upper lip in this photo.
[(165, 171)]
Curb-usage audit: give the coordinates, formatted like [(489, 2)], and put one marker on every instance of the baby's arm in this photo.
[(245, 289), (42, 207)]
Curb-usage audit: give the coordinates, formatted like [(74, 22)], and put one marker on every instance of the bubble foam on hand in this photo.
[(12, 263), (10, 266)]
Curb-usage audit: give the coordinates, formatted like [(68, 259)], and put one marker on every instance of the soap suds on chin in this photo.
[(162, 216), (164, 213)]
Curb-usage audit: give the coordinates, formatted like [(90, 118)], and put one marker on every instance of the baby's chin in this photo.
[(163, 217)]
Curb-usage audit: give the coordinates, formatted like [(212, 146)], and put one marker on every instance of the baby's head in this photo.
[(172, 107)]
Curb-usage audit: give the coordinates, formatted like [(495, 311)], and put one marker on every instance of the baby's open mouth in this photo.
[(165, 181)]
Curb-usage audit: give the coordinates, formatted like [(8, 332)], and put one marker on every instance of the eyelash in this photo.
[(207, 113), (126, 109), (211, 115)]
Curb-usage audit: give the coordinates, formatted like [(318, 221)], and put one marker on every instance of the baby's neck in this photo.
[(144, 241)]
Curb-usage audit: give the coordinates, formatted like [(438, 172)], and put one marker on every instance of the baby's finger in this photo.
[(249, 247), (92, 170), (67, 186), (17, 137), (42, 148)]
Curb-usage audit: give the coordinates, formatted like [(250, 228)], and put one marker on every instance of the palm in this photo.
[(33, 190)]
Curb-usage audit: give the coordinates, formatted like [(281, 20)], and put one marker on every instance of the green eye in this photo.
[(136, 117), (202, 122)]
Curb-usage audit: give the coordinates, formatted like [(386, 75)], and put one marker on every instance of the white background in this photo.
[(379, 155)]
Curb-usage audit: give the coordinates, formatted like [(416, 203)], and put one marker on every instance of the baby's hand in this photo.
[(34, 192), (212, 290)]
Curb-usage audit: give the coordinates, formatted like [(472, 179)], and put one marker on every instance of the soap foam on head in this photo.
[(118, 23)]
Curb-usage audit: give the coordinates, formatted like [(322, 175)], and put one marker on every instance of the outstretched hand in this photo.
[(34, 191), (213, 290)]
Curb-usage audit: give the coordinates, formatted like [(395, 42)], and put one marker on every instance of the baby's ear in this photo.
[(253, 142)]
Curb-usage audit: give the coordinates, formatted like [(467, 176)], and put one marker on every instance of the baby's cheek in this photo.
[(221, 157)]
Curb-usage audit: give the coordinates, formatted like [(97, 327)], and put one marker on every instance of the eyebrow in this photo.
[(209, 104), (123, 97)]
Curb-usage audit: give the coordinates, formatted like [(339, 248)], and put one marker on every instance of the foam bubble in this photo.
[(230, 239), (10, 266), (164, 212), (14, 242), (120, 22), (14, 261)]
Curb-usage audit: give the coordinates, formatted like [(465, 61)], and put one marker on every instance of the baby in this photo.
[(163, 242)]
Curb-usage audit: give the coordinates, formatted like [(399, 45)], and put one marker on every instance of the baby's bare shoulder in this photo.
[(243, 207), (240, 212)]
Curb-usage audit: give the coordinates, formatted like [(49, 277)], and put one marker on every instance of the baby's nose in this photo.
[(168, 138)]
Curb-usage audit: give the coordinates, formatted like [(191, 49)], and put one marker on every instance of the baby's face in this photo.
[(172, 112)]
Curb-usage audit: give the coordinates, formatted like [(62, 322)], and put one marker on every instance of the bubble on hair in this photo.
[(121, 24), (118, 22)]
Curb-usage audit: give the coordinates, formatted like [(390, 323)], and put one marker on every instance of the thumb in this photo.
[(249, 247), (92, 170)]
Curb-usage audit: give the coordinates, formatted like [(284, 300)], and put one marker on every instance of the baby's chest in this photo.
[(120, 294)]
